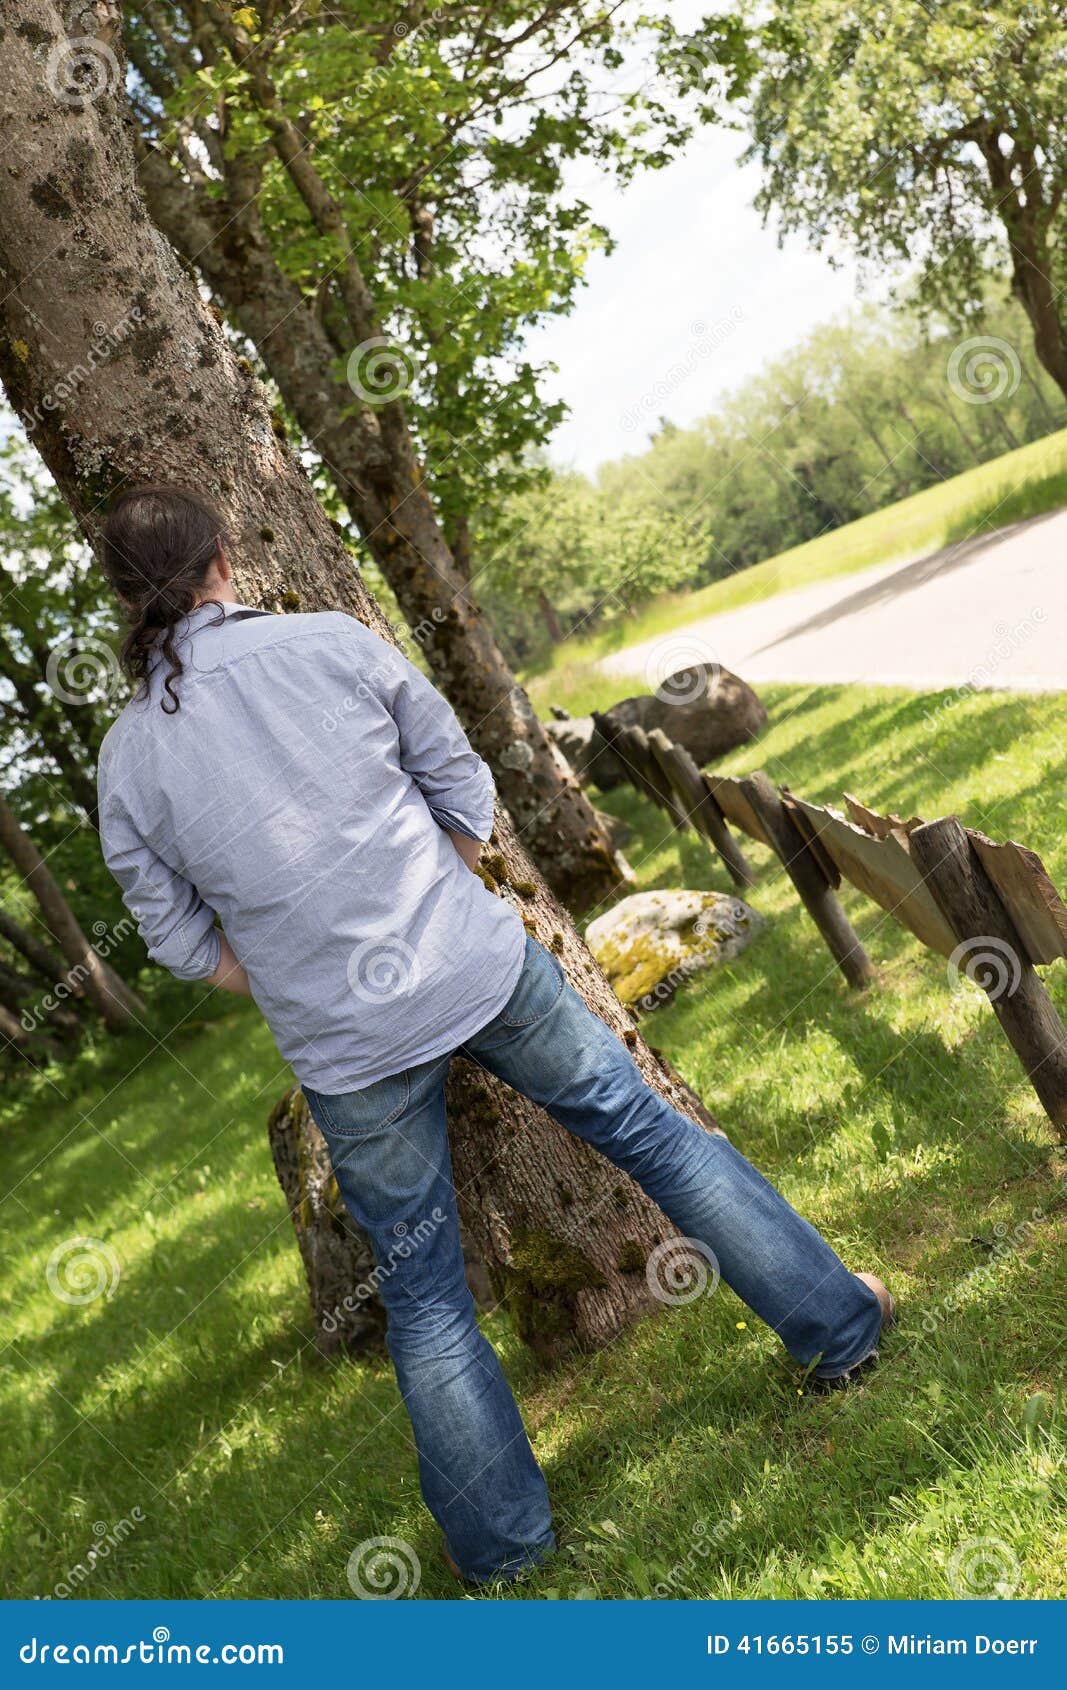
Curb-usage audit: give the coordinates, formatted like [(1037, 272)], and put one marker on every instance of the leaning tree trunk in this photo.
[(166, 400), (116, 1003), (1026, 218), (372, 462), (336, 1252), (48, 963)]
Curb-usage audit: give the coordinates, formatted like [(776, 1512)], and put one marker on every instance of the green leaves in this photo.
[(924, 136), (447, 138)]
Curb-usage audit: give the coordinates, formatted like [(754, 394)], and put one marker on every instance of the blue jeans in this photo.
[(389, 1148)]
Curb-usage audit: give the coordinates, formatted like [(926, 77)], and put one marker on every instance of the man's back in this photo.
[(300, 793)]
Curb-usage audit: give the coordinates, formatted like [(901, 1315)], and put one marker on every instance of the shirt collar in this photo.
[(206, 615), (202, 615), (209, 611)]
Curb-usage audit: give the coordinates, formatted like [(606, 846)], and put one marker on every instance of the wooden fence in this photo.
[(990, 908)]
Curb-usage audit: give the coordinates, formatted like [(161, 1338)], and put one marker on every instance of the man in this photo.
[(299, 781)]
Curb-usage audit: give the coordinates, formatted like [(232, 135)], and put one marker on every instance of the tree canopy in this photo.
[(930, 138), (444, 143)]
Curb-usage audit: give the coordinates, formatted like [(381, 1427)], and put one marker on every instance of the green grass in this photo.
[(688, 1456), (1004, 490)]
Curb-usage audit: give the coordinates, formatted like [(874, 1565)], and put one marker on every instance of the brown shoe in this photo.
[(885, 1300), (450, 1564)]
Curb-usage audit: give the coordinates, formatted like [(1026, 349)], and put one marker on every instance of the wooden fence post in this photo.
[(659, 781), (700, 805), (614, 738), (631, 747), (807, 875), (971, 906)]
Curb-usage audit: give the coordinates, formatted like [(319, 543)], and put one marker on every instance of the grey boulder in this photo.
[(651, 942), (706, 708)]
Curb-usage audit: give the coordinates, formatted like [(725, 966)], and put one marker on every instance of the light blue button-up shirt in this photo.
[(299, 794)]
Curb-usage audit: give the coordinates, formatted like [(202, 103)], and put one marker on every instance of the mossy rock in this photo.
[(651, 942)]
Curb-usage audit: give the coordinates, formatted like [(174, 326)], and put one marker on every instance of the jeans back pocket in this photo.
[(355, 1114), (539, 988)]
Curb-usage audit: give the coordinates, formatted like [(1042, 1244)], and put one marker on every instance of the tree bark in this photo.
[(1028, 225), (11, 1027), (336, 1252), (39, 956), (116, 1003), (58, 1020), (550, 617), (171, 402), (372, 462)]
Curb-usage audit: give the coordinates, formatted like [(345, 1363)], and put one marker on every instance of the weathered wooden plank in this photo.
[(740, 869), (780, 829), (639, 748), (692, 794), (878, 826), (884, 870), (1025, 889), (670, 779), (735, 806), (824, 859), (990, 952), (631, 753)]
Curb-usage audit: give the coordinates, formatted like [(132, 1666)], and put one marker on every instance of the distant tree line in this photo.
[(864, 412)]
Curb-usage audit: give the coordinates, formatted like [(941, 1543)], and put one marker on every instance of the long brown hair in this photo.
[(158, 544)]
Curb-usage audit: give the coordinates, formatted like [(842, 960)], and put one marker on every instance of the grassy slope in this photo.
[(1008, 488), (897, 1120)]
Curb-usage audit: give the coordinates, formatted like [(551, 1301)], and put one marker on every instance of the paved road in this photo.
[(988, 612)]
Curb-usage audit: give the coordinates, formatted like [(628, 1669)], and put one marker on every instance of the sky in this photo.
[(696, 297)]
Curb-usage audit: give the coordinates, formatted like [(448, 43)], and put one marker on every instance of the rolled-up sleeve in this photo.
[(456, 784), (172, 918)]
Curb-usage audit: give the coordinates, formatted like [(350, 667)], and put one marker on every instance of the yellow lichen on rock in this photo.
[(649, 943)]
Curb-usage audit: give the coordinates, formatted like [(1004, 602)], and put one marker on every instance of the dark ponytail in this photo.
[(158, 545)]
